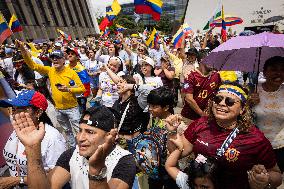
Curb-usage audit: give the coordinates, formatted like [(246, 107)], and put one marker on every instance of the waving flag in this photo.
[(153, 39), (223, 30), (105, 33), (184, 30), (14, 24), (152, 7), (137, 17), (5, 31), (111, 14), (120, 28), (217, 13), (64, 35)]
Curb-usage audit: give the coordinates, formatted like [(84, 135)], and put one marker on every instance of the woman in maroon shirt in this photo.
[(245, 157)]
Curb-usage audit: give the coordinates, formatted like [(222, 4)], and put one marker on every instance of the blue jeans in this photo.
[(69, 121)]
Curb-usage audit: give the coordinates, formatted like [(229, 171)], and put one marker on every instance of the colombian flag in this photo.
[(183, 30), (105, 33), (5, 31), (14, 24), (153, 39), (152, 7), (111, 14), (223, 30)]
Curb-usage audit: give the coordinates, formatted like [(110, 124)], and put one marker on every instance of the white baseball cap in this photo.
[(148, 60)]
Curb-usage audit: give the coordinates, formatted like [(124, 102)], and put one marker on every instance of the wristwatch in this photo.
[(22, 182), (100, 177)]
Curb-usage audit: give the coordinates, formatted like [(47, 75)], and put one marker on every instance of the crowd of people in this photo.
[(101, 113)]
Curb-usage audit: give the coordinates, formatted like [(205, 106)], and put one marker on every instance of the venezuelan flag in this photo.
[(111, 14), (84, 77), (64, 35), (120, 28), (152, 7), (223, 30), (183, 30), (153, 39), (105, 33), (5, 31), (14, 24)]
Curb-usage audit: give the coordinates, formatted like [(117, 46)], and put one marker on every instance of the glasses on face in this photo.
[(228, 100), (141, 50)]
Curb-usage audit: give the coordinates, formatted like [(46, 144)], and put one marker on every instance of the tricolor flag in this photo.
[(64, 35), (105, 33), (153, 39), (111, 14), (184, 30), (152, 7), (120, 28), (223, 30), (14, 24), (216, 14), (5, 31)]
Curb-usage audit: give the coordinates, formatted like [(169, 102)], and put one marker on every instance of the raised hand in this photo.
[(28, 133), (97, 160), (258, 177), (172, 122)]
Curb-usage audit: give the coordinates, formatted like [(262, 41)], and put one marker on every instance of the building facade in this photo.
[(41, 18)]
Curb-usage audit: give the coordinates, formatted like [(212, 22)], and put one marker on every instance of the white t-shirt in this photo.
[(156, 55), (270, 115), (109, 90), (181, 180), (52, 146), (7, 64)]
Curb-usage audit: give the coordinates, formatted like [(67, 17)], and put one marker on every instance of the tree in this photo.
[(165, 25)]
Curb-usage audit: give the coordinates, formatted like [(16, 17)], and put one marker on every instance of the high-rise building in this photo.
[(41, 18)]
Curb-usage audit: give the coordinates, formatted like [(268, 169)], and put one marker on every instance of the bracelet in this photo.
[(269, 186), (172, 132), (135, 87)]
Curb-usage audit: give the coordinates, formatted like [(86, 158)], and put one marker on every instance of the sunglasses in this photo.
[(228, 100), (141, 50)]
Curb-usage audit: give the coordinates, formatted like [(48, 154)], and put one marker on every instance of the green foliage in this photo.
[(165, 24)]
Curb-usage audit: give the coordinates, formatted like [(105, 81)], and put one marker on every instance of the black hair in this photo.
[(43, 117), (162, 96), (209, 169), (202, 54), (272, 61), (129, 79), (192, 51)]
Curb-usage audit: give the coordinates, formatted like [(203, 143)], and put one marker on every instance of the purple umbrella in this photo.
[(246, 53)]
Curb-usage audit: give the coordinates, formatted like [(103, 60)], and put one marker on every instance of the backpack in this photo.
[(149, 150)]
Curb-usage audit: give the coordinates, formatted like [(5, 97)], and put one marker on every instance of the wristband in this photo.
[(172, 132)]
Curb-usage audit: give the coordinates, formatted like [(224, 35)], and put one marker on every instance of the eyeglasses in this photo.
[(141, 50), (228, 100)]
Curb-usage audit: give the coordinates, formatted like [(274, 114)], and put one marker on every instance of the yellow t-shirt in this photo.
[(62, 100)]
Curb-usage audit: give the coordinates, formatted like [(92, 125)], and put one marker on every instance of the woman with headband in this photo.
[(245, 157), (107, 93)]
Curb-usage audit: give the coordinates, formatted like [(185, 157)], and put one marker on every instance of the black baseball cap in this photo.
[(101, 117)]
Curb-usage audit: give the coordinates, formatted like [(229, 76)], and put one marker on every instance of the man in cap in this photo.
[(74, 64), (52, 145), (65, 84), (96, 162)]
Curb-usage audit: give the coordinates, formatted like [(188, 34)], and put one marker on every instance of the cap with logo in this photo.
[(26, 98), (74, 50), (57, 54)]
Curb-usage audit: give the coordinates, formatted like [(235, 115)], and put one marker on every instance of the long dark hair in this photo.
[(43, 117)]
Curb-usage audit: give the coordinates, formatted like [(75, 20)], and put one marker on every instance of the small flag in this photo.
[(216, 14), (5, 31), (105, 33), (223, 30), (184, 30), (64, 35), (14, 24), (152, 7), (137, 17), (120, 28), (153, 39)]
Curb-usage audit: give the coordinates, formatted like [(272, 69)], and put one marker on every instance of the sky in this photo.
[(109, 2)]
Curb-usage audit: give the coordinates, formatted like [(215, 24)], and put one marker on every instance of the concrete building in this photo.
[(41, 18)]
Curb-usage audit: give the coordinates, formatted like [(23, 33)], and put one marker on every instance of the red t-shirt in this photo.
[(246, 150), (203, 88)]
